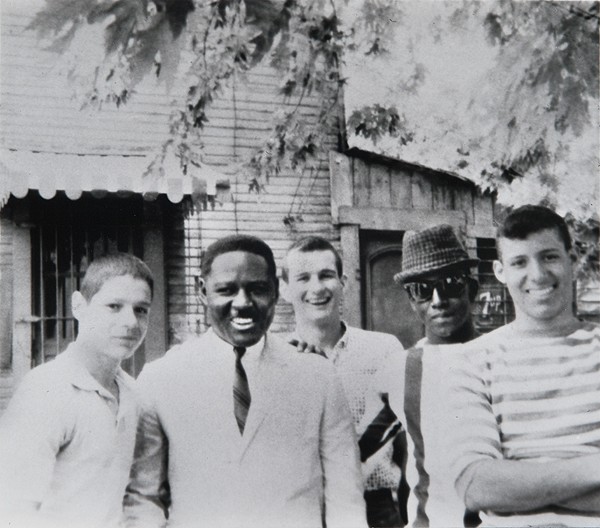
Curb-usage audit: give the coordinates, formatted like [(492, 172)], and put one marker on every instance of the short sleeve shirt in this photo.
[(66, 443)]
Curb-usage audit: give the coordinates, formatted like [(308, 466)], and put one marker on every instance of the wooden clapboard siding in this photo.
[(35, 91), (38, 113), (383, 185)]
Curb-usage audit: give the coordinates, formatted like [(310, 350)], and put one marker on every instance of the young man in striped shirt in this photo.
[(526, 447)]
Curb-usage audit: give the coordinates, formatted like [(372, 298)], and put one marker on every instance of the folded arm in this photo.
[(519, 486), (486, 479), (588, 503)]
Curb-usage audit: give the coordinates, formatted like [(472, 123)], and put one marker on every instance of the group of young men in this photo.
[(331, 426)]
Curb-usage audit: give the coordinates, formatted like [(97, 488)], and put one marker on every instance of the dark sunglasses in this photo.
[(448, 287)]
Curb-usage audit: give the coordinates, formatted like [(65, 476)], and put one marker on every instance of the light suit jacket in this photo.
[(295, 466)]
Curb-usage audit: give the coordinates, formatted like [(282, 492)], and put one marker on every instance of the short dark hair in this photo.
[(528, 219), (247, 243), (312, 243), (113, 265)]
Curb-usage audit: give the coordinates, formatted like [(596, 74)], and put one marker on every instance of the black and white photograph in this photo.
[(299, 263)]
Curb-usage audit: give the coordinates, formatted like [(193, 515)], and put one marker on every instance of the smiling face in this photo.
[(447, 318), (240, 297), (314, 287), (115, 320), (538, 272)]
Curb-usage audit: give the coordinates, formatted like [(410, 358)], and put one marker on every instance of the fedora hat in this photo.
[(431, 250)]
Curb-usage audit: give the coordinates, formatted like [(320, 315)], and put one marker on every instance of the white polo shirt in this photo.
[(66, 443)]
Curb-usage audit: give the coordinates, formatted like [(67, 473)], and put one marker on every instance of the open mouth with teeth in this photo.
[(318, 302), (541, 292), (242, 323)]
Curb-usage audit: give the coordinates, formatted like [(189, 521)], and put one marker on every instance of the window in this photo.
[(67, 236), (493, 305)]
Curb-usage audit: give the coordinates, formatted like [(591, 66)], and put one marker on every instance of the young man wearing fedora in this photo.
[(436, 276)]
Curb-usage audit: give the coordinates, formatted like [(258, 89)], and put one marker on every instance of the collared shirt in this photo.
[(357, 356), (67, 443)]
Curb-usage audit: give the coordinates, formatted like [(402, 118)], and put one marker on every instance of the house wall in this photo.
[(39, 112)]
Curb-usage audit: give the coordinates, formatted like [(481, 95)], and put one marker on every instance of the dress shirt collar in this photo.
[(342, 343), (252, 354)]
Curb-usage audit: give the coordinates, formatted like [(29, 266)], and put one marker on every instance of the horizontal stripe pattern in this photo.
[(527, 398)]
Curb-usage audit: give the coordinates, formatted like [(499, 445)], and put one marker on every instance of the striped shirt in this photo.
[(527, 398)]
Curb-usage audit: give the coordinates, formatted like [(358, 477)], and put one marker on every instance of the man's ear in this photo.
[(284, 290), (78, 304), (473, 288), (276, 285), (202, 291), (344, 279), (499, 271)]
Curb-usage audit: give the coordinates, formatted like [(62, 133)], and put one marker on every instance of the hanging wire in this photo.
[(235, 207), (313, 178), (296, 192)]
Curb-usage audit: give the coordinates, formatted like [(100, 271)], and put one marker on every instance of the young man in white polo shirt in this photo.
[(68, 434)]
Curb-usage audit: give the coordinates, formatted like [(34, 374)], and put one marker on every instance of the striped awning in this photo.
[(75, 174)]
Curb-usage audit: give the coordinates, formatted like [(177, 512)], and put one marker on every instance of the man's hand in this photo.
[(304, 347)]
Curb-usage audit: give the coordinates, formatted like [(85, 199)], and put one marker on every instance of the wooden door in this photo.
[(387, 308)]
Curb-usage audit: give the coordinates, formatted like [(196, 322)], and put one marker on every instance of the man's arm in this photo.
[(32, 430), (483, 477), (343, 486), (588, 503), (519, 486), (147, 498)]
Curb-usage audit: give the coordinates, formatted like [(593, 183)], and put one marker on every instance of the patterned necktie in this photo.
[(241, 390)]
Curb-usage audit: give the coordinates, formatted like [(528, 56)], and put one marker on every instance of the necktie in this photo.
[(241, 390)]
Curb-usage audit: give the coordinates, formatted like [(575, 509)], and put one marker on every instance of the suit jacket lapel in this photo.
[(270, 385)]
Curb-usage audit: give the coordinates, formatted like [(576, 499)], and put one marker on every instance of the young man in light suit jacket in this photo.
[(237, 429)]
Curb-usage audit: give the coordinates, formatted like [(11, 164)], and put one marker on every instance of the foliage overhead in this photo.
[(219, 40), (517, 110), (503, 92)]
